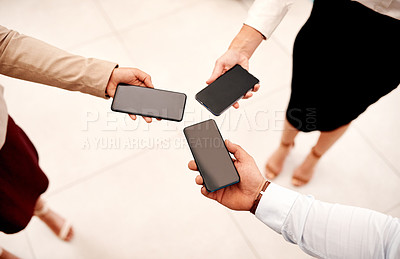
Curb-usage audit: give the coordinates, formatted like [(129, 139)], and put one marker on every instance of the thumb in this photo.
[(236, 150), (210, 195), (217, 72), (144, 77)]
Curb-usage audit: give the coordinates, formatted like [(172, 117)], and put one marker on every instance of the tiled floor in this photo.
[(140, 200)]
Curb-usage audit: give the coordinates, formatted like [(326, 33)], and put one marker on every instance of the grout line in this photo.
[(378, 152), (114, 30), (161, 16), (249, 244), (117, 33), (29, 244), (101, 170), (96, 173)]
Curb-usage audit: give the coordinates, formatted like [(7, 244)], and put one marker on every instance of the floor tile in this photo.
[(125, 185), (17, 244), (125, 14), (379, 125), (351, 169), (272, 66), (181, 55), (153, 210), (185, 63), (62, 23), (345, 174), (77, 140)]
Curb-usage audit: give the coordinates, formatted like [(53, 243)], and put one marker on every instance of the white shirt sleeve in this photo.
[(265, 15), (328, 230)]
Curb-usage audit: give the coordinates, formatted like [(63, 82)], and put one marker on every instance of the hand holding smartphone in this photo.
[(226, 90), (211, 155), (150, 102)]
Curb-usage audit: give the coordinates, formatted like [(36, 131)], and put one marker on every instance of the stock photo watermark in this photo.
[(133, 143), (110, 130)]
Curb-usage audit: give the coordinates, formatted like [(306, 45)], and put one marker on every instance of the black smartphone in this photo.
[(211, 155), (226, 90), (149, 102)]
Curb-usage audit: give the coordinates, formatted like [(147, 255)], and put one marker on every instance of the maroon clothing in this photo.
[(21, 180)]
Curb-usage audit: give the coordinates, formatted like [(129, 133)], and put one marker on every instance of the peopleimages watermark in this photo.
[(231, 120), (308, 115), (149, 143), (110, 130), (133, 143)]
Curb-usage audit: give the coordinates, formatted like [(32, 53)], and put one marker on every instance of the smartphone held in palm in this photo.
[(149, 102), (211, 155), (226, 90)]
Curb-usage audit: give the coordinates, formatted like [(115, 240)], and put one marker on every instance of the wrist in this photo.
[(246, 41), (110, 85), (260, 193)]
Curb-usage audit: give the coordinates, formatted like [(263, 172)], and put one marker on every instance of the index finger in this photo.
[(199, 180), (192, 165), (256, 87), (147, 119), (145, 78), (217, 72)]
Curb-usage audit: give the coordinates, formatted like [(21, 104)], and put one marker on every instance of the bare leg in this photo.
[(54, 221), (304, 172), (4, 254), (275, 162)]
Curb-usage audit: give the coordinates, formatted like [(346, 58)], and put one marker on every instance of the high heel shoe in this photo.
[(4, 254), (272, 173), (300, 181), (66, 227)]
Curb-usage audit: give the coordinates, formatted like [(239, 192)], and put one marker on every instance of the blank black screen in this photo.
[(226, 90), (149, 102), (212, 158)]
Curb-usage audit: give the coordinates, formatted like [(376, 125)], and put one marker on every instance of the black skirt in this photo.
[(345, 58), (21, 180)]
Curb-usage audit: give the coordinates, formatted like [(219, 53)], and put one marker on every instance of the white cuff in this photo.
[(265, 16), (275, 205)]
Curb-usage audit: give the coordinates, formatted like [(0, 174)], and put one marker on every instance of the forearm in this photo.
[(263, 17), (30, 59), (247, 41), (329, 230)]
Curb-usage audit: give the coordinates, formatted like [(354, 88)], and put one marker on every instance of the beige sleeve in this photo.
[(26, 58)]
